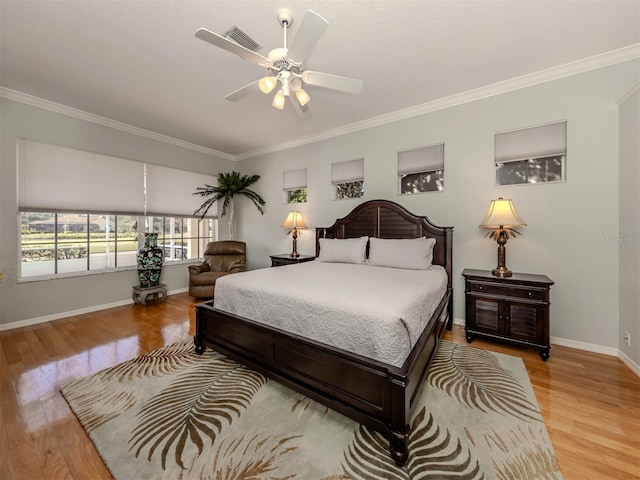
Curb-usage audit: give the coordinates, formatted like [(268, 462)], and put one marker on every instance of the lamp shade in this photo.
[(278, 100), (294, 220), (267, 84), (303, 97), (502, 213)]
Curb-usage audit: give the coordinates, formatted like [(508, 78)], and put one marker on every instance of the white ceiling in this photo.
[(139, 63)]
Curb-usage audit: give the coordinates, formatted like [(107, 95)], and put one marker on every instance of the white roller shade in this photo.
[(294, 179), (418, 160), (170, 191), (351, 171), (543, 141), (55, 178)]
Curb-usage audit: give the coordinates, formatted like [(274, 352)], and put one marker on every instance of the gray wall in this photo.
[(570, 225), (629, 238), (572, 230), (36, 299)]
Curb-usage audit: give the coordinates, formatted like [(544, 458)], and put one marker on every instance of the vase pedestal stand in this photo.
[(140, 294)]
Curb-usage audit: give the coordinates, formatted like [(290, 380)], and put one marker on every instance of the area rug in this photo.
[(172, 414)]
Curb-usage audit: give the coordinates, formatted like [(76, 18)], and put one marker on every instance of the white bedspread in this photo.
[(376, 312)]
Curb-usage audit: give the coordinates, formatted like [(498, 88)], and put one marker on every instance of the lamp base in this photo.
[(501, 272), (294, 253)]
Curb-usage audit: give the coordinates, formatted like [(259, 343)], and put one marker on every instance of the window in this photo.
[(182, 238), (297, 196), (347, 179), (61, 243), (295, 186), (531, 170), (83, 211), (531, 155), (421, 170)]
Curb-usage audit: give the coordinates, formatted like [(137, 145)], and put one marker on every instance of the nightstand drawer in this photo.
[(506, 290)]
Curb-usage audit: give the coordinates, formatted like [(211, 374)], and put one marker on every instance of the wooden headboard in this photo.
[(386, 219)]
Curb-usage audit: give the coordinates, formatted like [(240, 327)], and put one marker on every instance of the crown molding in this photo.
[(613, 57), (555, 73), (106, 122)]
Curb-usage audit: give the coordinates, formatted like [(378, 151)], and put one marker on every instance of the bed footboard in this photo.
[(374, 394)]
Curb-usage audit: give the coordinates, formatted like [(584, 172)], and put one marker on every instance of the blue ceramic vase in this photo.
[(150, 259)]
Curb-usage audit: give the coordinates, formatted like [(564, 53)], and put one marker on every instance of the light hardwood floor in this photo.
[(590, 402)]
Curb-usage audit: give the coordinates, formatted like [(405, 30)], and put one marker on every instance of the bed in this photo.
[(375, 391)]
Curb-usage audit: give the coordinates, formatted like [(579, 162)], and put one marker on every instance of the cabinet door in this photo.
[(524, 321), (485, 315)]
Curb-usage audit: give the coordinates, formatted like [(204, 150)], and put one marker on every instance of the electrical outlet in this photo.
[(627, 338)]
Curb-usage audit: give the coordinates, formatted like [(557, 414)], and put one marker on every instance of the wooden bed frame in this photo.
[(375, 394)]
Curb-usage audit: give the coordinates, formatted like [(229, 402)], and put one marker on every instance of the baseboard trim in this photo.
[(57, 316), (588, 347), (634, 367)]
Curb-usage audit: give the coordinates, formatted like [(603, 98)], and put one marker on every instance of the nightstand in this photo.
[(512, 309), (286, 259)]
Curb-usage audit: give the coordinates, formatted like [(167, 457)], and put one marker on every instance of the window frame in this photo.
[(424, 161), (347, 175), (294, 181), (289, 193), (527, 145), (348, 186), (206, 231), (526, 162), (440, 174)]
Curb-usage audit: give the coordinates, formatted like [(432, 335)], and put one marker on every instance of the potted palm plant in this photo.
[(229, 185)]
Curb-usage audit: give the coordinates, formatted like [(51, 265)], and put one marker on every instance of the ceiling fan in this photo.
[(285, 65)]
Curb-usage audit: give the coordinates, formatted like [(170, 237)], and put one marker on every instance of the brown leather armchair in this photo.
[(220, 259)]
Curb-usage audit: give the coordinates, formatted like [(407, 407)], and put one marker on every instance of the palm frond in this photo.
[(255, 198), (433, 453), (229, 185), (305, 407), (95, 402), (166, 360), (193, 409), (474, 377), (257, 456), (494, 234), (524, 451)]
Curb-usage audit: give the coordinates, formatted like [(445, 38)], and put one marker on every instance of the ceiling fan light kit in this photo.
[(285, 65), (278, 100), (267, 84), (303, 97)]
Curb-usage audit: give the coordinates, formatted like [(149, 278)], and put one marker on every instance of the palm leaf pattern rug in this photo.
[(171, 414)]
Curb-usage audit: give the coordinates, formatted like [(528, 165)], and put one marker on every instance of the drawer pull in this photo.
[(530, 294), (479, 287)]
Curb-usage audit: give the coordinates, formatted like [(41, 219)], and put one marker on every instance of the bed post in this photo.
[(449, 262), (197, 338), (399, 447), (399, 429), (450, 312)]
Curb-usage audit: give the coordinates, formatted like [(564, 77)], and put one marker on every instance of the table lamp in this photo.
[(293, 222), (502, 219)]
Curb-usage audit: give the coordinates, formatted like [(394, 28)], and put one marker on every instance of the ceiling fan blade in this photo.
[(311, 29), (230, 46), (243, 92), (352, 86), (303, 113)]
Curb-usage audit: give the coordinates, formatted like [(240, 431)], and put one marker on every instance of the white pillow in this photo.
[(413, 253), (347, 250)]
